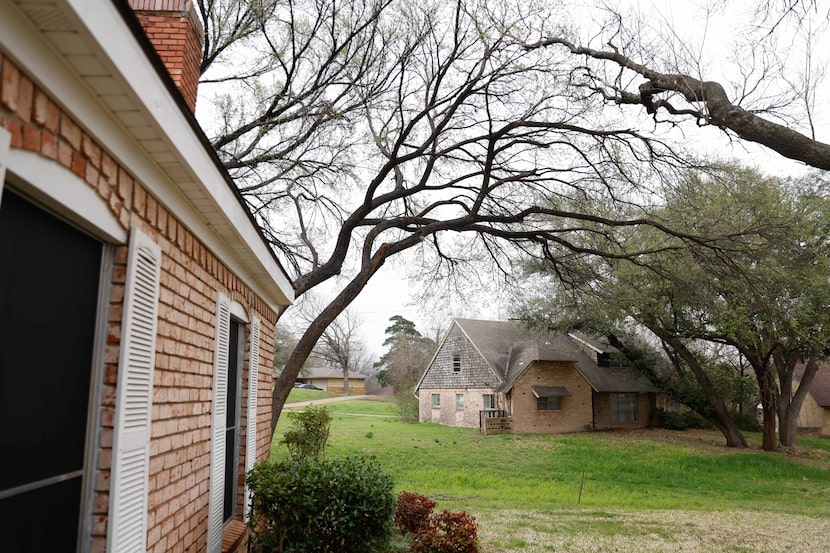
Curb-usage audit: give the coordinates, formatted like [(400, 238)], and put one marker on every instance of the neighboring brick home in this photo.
[(330, 379), (503, 377), (815, 413), (138, 299)]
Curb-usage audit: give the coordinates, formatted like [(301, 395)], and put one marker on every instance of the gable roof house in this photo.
[(503, 377), (138, 298)]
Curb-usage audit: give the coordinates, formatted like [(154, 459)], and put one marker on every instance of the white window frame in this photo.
[(492, 401), (459, 402), (456, 362), (436, 401)]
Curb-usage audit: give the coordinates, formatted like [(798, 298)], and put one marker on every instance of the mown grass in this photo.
[(297, 395), (539, 476)]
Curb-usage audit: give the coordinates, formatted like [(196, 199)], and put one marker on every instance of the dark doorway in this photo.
[(49, 280)]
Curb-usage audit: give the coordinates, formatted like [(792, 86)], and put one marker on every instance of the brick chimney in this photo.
[(177, 34)]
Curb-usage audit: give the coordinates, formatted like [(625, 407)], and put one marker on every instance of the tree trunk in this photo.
[(345, 381), (769, 395), (790, 405), (722, 418), (285, 382)]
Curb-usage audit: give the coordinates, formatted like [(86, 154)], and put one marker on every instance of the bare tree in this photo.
[(341, 346), (358, 131), (624, 67)]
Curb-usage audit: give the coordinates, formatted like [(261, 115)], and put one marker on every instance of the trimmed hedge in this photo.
[(319, 506)]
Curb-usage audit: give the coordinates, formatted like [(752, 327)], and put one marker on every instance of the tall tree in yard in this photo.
[(404, 362), (358, 131), (763, 294)]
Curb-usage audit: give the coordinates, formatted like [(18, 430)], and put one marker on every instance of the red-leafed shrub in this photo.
[(412, 512), (447, 533)]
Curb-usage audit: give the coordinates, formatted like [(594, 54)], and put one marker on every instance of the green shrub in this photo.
[(680, 421), (669, 420), (309, 433), (447, 533), (318, 506), (747, 422), (412, 512), (693, 420)]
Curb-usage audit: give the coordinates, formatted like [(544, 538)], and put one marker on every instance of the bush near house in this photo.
[(412, 512), (445, 532), (318, 506), (309, 433)]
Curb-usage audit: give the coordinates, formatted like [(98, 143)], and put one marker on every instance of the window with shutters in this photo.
[(230, 440)]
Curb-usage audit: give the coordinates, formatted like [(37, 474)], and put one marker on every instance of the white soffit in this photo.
[(102, 76)]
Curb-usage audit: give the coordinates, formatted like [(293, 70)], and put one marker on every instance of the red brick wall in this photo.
[(177, 35), (191, 277)]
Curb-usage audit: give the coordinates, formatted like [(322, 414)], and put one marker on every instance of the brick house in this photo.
[(815, 413), (138, 299), (501, 376)]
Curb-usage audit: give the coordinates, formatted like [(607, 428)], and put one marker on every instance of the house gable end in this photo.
[(475, 370)]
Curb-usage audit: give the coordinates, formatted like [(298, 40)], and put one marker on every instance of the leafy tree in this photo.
[(759, 293)]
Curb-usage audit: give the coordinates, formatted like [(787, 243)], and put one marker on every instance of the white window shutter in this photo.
[(220, 405), (253, 387), (131, 440)]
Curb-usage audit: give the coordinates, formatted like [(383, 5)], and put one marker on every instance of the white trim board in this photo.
[(64, 193)]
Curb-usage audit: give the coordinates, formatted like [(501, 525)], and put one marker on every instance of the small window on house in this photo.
[(623, 407), (548, 403), (456, 362), (489, 401), (436, 400), (459, 401)]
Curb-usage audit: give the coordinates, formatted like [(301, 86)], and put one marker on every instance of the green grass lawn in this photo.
[(297, 395), (636, 472)]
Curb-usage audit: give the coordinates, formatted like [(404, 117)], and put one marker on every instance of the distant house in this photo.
[(502, 377), (138, 298), (332, 380), (815, 413)]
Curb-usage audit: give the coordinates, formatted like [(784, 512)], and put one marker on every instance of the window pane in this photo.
[(623, 407), (549, 403), (459, 401), (49, 275), (436, 400), (456, 362), (489, 401)]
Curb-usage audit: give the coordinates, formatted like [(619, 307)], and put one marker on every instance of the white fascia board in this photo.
[(115, 42), (115, 38)]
